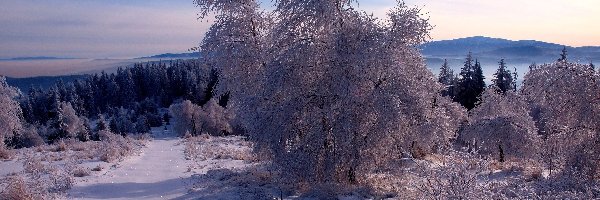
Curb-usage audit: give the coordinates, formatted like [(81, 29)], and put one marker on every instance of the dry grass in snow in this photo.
[(46, 172)]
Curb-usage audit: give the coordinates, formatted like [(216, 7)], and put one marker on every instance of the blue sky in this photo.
[(132, 28)]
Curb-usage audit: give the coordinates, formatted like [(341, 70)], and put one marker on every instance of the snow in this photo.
[(10, 167), (160, 172)]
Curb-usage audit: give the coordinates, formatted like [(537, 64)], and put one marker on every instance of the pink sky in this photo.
[(134, 28)]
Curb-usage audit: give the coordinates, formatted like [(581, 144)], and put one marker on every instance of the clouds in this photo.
[(97, 29)]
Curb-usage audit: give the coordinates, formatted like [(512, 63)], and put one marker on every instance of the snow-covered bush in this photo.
[(115, 147), (459, 177), (66, 124), (189, 118), (563, 101), (207, 147), (29, 137), (10, 115), (500, 126), (330, 92), (16, 188), (185, 118)]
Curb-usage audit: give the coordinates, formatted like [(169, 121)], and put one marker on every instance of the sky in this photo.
[(134, 28)]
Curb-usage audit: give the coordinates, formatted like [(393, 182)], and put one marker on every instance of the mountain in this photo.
[(517, 54), (496, 47), (174, 55), (459, 46)]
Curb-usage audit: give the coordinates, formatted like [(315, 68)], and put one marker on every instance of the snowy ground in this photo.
[(207, 167), (160, 172), (163, 171)]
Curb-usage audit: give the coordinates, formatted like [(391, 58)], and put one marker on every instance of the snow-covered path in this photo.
[(160, 172)]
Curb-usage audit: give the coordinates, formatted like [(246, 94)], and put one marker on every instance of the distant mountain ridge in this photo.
[(37, 58), (494, 47), (174, 55), (518, 55)]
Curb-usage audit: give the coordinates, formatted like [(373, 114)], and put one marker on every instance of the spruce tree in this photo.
[(470, 84), (478, 78), (446, 77), (446, 74), (503, 79), (563, 55)]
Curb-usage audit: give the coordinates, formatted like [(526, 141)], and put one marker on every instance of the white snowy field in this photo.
[(208, 167), (170, 167), (159, 172)]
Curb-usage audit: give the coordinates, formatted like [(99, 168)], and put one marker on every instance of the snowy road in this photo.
[(160, 172)]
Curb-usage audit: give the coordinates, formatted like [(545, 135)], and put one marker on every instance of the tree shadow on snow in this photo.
[(251, 183)]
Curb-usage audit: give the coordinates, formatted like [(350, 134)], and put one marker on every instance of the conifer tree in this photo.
[(503, 79), (478, 78), (446, 74), (470, 84), (446, 78), (563, 55)]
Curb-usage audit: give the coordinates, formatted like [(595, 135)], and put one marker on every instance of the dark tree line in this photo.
[(127, 101), (467, 87)]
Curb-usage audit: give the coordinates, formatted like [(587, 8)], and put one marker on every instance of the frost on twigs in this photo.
[(564, 102), (115, 147), (10, 112), (500, 126), (330, 92), (189, 118), (206, 147), (16, 188)]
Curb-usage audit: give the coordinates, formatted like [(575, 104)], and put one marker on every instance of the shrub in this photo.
[(5, 153), (115, 147), (18, 189), (80, 172), (190, 118), (501, 127), (30, 138)]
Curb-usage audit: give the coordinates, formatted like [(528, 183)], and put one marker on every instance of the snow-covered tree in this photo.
[(122, 122), (500, 126), (192, 119), (185, 118), (564, 102), (335, 93), (67, 124), (10, 112), (237, 37)]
